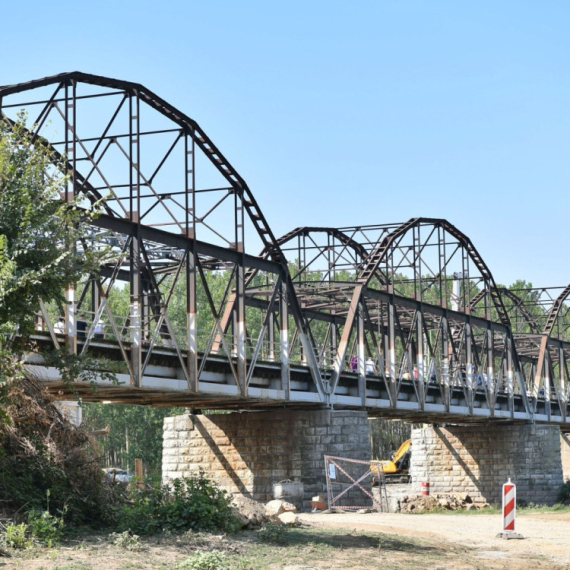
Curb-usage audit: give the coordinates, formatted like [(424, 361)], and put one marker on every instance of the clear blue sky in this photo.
[(352, 113)]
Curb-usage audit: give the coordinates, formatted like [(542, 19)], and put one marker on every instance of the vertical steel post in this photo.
[(469, 365), (70, 138), (192, 319), (445, 361), (420, 380), (361, 355), (386, 343), (333, 338), (135, 248), (71, 318), (392, 347), (240, 297), (70, 151), (490, 369), (547, 404), (191, 303), (562, 382), (95, 297), (271, 337), (284, 338), (510, 376)]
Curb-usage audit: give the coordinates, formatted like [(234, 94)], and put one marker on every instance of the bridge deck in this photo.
[(164, 385)]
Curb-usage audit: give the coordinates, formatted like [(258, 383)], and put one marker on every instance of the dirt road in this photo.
[(546, 535)]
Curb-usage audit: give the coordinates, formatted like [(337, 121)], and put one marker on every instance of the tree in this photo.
[(44, 247), (135, 432), (38, 231), (387, 436)]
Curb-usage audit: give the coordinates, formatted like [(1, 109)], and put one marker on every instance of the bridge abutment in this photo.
[(246, 453), (478, 459)]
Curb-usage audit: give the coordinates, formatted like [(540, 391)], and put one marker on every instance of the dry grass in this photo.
[(305, 547)]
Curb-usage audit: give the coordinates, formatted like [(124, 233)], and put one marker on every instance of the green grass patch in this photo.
[(497, 510), (532, 509), (308, 545)]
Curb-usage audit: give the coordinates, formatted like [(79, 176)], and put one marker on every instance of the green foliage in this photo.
[(192, 503), (38, 231), (273, 534), (136, 432), (387, 436), (45, 527), (11, 370), (16, 536), (205, 561), (564, 495), (42, 527), (126, 540), (83, 367)]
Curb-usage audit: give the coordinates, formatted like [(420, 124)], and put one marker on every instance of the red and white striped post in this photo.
[(509, 506)]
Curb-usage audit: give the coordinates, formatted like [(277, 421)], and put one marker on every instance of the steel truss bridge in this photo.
[(204, 307)]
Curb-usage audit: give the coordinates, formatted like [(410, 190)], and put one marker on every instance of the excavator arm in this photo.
[(398, 465)]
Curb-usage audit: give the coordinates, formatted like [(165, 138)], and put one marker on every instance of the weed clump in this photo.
[(205, 561), (42, 528), (126, 540), (273, 534), (16, 536), (46, 528)]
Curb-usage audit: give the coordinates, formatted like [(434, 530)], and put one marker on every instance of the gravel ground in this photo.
[(545, 534)]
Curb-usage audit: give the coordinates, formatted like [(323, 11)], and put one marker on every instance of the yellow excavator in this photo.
[(396, 469)]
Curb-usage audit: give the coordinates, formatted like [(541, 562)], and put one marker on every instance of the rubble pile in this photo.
[(424, 503), (252, 514)]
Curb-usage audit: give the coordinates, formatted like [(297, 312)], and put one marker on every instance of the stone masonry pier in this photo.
[(247, 453), (479, 459)]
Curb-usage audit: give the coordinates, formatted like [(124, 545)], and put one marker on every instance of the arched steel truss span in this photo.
[(403, 320)]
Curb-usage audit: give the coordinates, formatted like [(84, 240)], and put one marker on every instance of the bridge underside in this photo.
[(165, 386)]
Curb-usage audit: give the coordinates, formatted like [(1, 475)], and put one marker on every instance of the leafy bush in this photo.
[(16, 536), (205, 561), (45, 527), (273, 534), (192, 503), (126, 540)]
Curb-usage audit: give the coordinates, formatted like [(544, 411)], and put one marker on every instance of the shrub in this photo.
[(16, 536), (126, 540), (205, 561), (45, 527), (193, 503), (564, 495), (273, 534)]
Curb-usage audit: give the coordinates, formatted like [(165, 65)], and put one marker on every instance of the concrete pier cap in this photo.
[(478, 460)]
